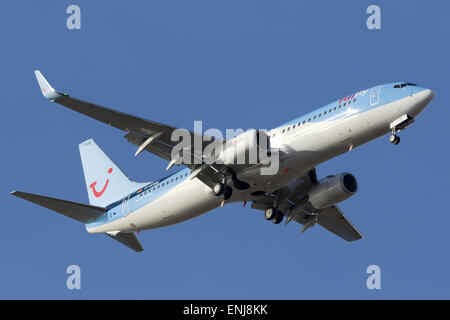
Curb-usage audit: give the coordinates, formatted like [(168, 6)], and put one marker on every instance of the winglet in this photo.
[(46, 88)]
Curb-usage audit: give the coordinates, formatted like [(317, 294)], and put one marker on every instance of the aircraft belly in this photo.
[(186, 201), (122, 224)]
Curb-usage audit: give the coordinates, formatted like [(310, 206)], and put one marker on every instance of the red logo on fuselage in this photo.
[(346, 98), (98, 194)]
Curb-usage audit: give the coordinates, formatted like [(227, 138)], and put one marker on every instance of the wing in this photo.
[(149, 135), (293, 200)]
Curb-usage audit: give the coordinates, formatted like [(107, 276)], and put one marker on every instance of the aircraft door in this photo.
[(125, 206), (375, 96)]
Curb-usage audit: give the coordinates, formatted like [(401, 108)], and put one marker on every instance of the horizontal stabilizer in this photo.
[(127, 238), (78, 211), (334, 220)]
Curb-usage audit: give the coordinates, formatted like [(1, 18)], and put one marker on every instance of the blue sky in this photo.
[(231, 64)]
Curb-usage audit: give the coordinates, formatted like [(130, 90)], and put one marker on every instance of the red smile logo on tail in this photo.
[(98, 194)]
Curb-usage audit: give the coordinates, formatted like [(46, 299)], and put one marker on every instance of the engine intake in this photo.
[(332, 190)]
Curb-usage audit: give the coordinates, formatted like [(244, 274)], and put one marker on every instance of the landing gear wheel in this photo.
[(278, 218), (227, 192), (394, 139), (270, 214), (218, 189)]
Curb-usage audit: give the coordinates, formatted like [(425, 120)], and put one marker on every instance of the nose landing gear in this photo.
[(397, 125), (393, 138)]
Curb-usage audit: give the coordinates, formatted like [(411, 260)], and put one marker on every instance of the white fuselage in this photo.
[(304, 147)]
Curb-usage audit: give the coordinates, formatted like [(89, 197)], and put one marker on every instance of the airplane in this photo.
[(120, 208)]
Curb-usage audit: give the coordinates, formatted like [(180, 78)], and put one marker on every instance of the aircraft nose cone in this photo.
[(419, 102), (428, 95)]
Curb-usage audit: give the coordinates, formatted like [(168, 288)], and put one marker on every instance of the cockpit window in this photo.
[(404, 84)]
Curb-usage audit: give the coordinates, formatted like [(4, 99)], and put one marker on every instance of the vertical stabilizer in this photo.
[(105, 182)]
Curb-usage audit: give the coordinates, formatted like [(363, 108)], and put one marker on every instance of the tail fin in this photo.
[(105, 182)]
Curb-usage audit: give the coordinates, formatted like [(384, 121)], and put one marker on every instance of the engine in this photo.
[(333, 189), (246, 148)]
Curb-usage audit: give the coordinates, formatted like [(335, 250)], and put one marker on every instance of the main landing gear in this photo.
[(273, 214), (223, 191), (228, 178)]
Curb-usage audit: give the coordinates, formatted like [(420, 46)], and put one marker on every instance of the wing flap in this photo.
[(117, 119), (334, 220), (157, 147)]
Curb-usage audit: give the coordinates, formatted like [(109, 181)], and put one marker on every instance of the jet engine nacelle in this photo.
[(245, 148), (333, 189)]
